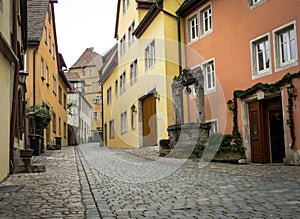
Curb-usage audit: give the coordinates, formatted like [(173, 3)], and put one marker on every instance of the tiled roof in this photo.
[(74, 76), (89, 58), (36, 10)]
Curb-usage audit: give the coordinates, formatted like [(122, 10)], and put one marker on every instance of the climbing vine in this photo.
[(267, 88)]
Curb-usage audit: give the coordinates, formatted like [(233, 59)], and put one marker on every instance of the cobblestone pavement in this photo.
[(124, 185), (55, 193)]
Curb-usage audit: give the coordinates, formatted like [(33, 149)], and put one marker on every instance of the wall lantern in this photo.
[(187, 90), (157, 95), (291, 90), (133, 108), (22, 76), (230, 105)]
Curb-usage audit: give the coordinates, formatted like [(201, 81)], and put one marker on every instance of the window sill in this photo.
[(210, 91), (256, 75), (286, 66), (206, 34)]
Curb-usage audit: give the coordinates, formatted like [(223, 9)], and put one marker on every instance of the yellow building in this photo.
[(12, 46), (137, 97), (87, 67), (47, 84)]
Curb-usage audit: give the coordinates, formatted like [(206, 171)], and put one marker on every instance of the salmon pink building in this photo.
[(248, 52)]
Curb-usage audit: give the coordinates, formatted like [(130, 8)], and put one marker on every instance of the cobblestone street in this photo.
[(93, 182)]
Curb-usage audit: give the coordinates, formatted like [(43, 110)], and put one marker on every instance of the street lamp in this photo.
[(22, 76)]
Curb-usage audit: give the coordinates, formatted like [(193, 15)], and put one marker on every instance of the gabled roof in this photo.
[(36, 15), (188, 6), (141, 4), (110, 64), (73, 77), (89, 58), (149, 17)]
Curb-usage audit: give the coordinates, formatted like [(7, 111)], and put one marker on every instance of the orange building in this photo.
[(246, 49)]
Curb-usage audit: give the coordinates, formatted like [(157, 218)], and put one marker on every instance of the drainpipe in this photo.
[(16, 83), (34, 76)]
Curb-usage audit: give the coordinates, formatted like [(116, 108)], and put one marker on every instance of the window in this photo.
[(213, 126), (42, 68), (150, 58), (1, 5), (54, 84), (109, 96), (209, 74), (193, 28), (124, 122), (59, 126), (47, 75), (123, 83), (59, 94), (126, 5), (53, 51), (45, 35), (90, 72), (130, 35), (286, 52), (95, 85), (65, 130), (206, 20), (260, 51), (95, 115), (111, 129), (122, 45), (65, 101), (133, 119), (83, 72), (254, 3), (116, 88), (49, 44), (54, 122), (97, 100), (133, 72)]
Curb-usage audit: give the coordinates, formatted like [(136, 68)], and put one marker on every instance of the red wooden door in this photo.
[(149, 121), (260, 149)]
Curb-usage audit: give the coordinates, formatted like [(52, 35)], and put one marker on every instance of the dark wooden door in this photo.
[(149, 121), (260, 150)]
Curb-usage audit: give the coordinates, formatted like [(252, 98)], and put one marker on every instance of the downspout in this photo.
[(179, 45), (34, 76), (102, 119), (16, 82)]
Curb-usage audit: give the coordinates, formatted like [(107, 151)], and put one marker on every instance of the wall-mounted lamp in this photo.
[(187, 90), (157, 95), (22, 76), (230, 105), (291, 90), (133, 108)]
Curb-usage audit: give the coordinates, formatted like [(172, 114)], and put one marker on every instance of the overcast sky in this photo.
[(84, 24)]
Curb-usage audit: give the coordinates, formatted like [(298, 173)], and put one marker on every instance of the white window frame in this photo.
[(108, 96), (95, 115), (123, 45), (123, 82), (47, 75), (116, 88), (130, 34), (54, 84), (133, 72), (42, 68), (214, 125), (124, 122), (279, 66), (203, 66), (150, 55), (193, 28), (255, 3), (112, 129), (203, 10), (256, 73)]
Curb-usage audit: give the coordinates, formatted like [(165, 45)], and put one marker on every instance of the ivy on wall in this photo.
[(267, 88)]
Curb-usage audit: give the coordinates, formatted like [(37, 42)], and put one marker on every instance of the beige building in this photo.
[(87, 67), (12, 47)]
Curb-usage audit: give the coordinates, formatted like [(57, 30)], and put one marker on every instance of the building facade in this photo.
[(79, 109), (136, 96), (13, 43), (47, 84), (87, 67), (248, 52)]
